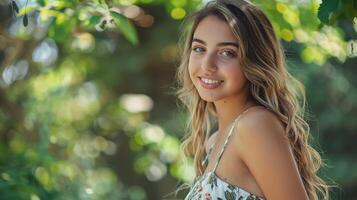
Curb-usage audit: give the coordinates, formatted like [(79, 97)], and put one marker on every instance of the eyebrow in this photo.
[(219, 44)]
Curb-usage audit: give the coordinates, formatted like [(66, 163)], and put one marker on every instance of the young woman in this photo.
[(233, 73)]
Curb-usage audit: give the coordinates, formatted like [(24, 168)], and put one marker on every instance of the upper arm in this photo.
[(266, 151)]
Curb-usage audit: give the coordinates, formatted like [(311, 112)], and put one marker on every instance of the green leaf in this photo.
[(25, 20), (41, 2), (326, 8), (60, 29), (14, 5), (93, 20), (27, 9), (126, 27)]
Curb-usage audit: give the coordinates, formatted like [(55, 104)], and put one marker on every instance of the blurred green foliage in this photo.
[(85, 104)]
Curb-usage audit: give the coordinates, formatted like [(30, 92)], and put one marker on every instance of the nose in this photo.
[(209, 63)]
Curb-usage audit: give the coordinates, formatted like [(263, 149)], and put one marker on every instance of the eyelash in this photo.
[(232, 53), (194, 48)]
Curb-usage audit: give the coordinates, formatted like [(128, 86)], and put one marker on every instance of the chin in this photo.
[(210, 98)]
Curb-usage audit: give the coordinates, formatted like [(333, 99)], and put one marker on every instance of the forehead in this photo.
[(211, 29)]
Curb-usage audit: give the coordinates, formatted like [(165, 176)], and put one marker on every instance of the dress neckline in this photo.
[(213, 173)]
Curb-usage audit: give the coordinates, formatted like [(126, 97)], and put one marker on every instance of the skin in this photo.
[(214, 56), (258, 157)]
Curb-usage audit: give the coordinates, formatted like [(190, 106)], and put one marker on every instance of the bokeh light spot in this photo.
[(178, 13)]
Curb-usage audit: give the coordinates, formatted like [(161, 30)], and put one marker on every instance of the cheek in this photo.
[(192, 67), (236, 75)]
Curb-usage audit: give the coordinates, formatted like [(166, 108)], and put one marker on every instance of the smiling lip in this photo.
[(209, 83)]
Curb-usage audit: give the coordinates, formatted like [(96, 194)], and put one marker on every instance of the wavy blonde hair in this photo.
[(269, 82)]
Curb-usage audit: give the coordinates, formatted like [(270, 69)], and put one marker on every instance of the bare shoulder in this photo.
[(260, 124), (259, 127), (264, 148)]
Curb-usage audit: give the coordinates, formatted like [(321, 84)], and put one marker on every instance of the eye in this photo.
[(229, 53), (198, 49)]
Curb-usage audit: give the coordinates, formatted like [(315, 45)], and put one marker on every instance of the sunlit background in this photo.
[(87, 106)]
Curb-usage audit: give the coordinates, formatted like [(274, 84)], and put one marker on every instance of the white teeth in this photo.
[(210, 81)]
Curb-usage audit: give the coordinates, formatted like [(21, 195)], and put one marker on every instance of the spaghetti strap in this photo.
[(205, 161), (229, 135)]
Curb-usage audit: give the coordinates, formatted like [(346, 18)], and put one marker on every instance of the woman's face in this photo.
[(214, 66)]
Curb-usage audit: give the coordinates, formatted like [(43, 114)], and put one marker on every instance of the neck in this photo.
[(228, 110)]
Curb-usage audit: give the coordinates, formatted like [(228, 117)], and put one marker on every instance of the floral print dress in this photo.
[(211, 187)]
